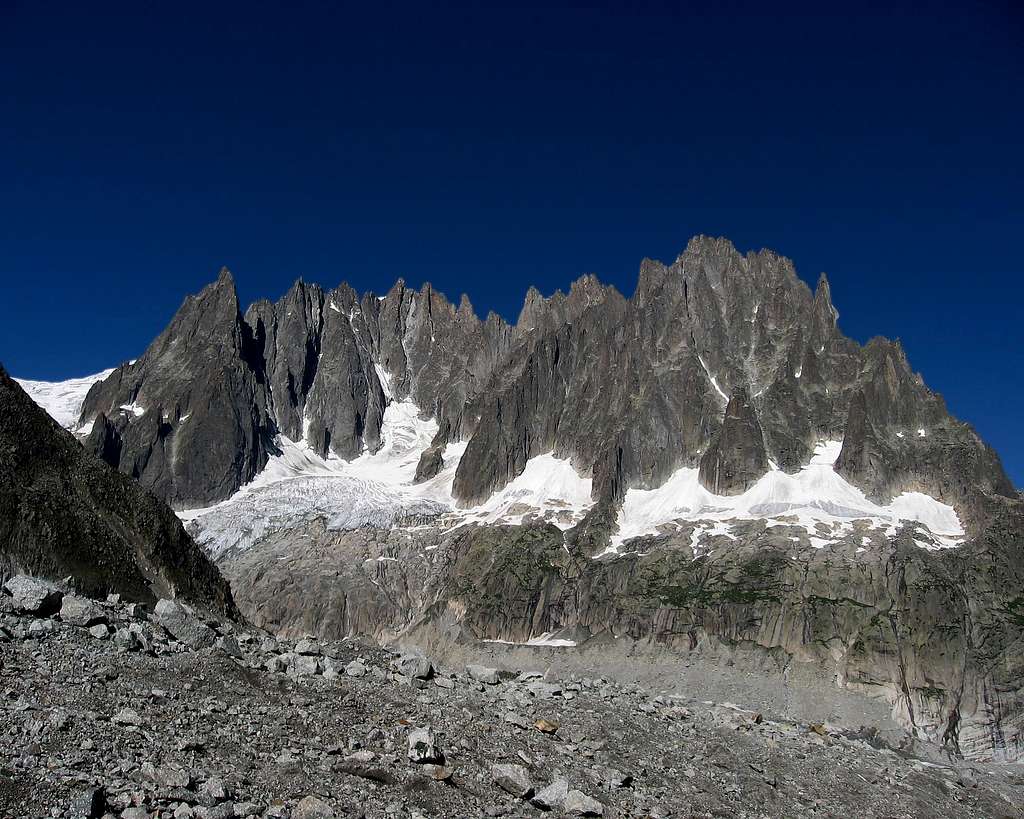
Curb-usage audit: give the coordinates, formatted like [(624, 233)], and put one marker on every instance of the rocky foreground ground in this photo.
[(112, 710)]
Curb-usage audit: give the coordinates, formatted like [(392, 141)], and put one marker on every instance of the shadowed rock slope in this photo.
[(65, 514)]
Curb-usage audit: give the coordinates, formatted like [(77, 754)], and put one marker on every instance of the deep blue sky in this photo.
[(487, 150)]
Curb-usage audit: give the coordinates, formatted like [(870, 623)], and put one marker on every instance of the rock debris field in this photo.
[(115, 710)]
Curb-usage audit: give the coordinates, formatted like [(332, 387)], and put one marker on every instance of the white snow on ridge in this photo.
[(817, 493), (62, 400)]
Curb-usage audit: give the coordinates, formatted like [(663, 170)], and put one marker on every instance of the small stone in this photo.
[(355, 669), (126, 716), (135, 813), (543, 691), (101, 631), (577, 803), (552, 796), (546, 726), (514, 779), (312, 807), (483, 674), (423, 748), (33, 595), (444, 682)]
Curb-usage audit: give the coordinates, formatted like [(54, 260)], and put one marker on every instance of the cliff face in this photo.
[(938, 635), (65, 514)]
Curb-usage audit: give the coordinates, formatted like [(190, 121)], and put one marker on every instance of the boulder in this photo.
[(33, 595), (423, 747), (577, 803), (80, 611), (182, 623), (313, 807), (483, 674), (552, 796), (513, 779), (414, 666)]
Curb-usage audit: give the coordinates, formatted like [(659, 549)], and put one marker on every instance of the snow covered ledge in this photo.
[(815, 494)]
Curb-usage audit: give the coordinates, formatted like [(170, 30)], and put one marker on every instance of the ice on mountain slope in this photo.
[(816, 494), (343, 501), (549, 488), (297, 486), (404, 437), (377, 489), (62, 400)]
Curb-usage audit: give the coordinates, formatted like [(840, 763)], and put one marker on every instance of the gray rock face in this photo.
[(188, 420), (865, 616), (64, 513), (735, 458)]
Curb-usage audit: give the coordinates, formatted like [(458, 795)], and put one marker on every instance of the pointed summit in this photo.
[(824, 316)]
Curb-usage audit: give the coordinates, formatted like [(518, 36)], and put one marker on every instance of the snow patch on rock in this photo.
[(62, 400), (816, 494)]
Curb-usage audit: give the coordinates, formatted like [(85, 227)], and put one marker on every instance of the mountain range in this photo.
[(709, 467)]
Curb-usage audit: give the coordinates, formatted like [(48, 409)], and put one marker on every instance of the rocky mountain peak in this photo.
[(629, 390)]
